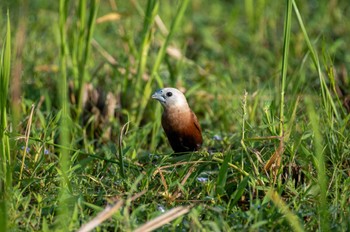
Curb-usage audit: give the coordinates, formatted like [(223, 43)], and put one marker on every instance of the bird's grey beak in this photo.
[(158, 96)]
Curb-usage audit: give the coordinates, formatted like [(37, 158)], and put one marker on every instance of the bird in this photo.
[(180, 124)]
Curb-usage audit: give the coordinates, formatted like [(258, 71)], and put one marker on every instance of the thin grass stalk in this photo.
[(82, 30), (63, 211), (325, 93), (174, 26), (84, 46), (121, 154), (244, 120), (5, 156), (154, 74), (286, 42), (27, 133), (149, 18)]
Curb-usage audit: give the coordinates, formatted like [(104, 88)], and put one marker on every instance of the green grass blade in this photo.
[(241, 188), (326, 95), (174, 26), (64, 213), (286, 42), (222, 177), (149, 17), (322, 179), (5, 64), (84, 46), (147, 32), (5, 156)]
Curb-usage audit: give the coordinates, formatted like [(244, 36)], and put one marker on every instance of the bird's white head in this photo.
[(171, 97)]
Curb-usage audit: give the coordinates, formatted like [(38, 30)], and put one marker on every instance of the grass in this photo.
[(267, 80)]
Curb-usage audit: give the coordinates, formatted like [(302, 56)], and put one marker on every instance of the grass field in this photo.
[(81, 140)]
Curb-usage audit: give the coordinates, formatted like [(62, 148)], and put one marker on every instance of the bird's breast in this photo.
[(176, 119)]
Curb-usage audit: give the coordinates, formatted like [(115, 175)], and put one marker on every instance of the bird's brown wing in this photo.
[(198, 138), (196, 123)]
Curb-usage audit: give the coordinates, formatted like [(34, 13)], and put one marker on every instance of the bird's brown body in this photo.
[(179, 122), (183, 130)]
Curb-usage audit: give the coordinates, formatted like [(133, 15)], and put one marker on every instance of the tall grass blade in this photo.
[(325, 93), (241, 188), (320, 165), (5, 156), (222, 177), (286, 42), (64, 212), (147, 32), (149, 17), (121, 153), (84, 46)]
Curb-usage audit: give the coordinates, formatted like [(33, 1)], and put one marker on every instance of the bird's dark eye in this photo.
[(169, 94)]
